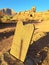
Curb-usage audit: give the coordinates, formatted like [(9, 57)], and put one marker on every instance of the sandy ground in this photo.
[(38, 53)]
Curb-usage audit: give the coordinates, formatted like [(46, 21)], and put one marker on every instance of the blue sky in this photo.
[(21, 5)]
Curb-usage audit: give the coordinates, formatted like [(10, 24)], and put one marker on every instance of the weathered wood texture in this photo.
[(22, 40)]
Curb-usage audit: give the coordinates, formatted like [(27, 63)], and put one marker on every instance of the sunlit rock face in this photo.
[(8, 11)]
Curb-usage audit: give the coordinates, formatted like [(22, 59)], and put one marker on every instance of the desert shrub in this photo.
[(5, 18)]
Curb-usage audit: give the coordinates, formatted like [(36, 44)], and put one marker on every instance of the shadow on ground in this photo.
[(7, 25), (36, 50), (6, 34)]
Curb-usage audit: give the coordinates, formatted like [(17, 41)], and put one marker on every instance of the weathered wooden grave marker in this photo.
[(21, 40)]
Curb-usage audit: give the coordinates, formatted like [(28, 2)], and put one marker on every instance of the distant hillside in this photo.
[(8, 15), (8, 11)]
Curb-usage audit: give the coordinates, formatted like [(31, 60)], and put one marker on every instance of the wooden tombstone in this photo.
[(21, 40)]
